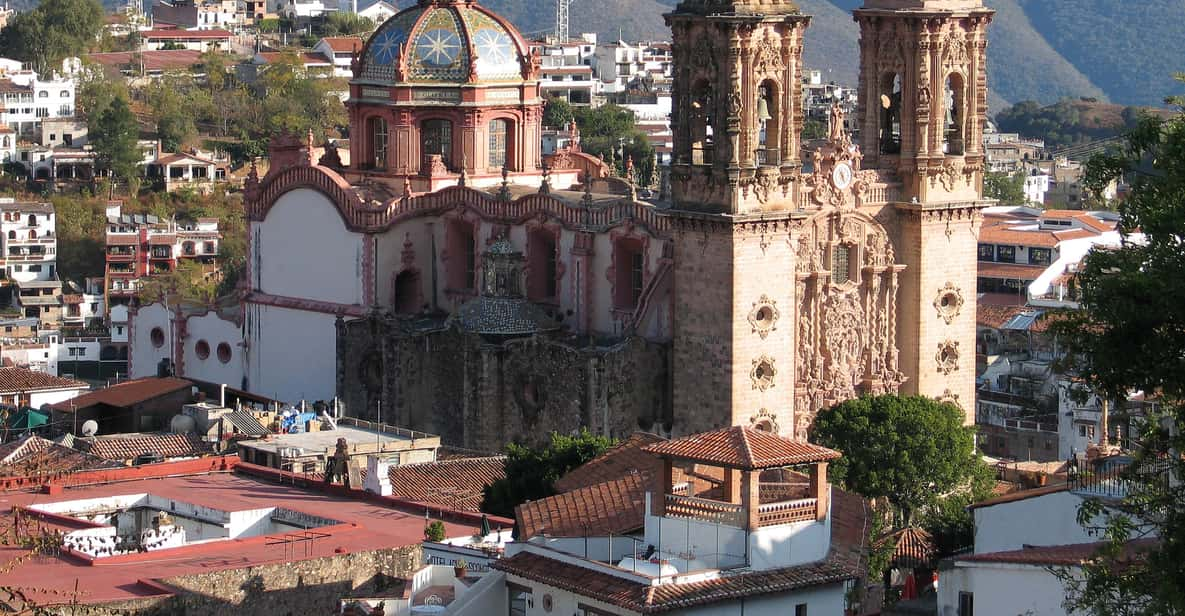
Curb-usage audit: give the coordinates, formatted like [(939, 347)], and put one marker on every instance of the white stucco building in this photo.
[(29, 242), (28, 97)]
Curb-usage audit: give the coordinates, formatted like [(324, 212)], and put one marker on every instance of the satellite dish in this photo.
[(90, 427), (182, 424)]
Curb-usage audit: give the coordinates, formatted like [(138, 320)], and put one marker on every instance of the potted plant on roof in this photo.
[(460, 567)]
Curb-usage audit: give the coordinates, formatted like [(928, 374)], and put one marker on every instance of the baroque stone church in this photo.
[(453, 279)]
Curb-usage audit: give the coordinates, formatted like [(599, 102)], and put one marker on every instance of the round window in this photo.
[(223, 352), (202, 348), (158, 337)]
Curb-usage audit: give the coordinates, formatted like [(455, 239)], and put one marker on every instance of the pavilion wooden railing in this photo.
[(787, 512), (704, 510)]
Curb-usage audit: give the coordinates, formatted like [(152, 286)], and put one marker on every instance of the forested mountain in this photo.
[(1039, 50)]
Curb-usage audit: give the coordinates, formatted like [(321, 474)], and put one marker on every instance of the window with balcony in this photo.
[(499, 132), (436, 139)]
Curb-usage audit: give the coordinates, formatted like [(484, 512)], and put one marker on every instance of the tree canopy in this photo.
[(607, 130), (1008, 189), (557, 112), (531, 472), (114, 137), (905, 449), (1130, 335), (52, 32)]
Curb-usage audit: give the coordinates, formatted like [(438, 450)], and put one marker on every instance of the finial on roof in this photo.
[(464, 177), (504, 190), (587, 199), (545, 186), (406, 187)]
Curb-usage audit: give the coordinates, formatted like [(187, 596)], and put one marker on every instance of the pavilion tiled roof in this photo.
[(1012, 271), (22, 380), (611, 507), (618, 461), (126, 393), (457, 483), (128, 447), (742, 447)]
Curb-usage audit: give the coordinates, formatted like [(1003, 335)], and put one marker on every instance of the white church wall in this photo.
[(304, 250), (293, 353), (144, 356), (217, 367)]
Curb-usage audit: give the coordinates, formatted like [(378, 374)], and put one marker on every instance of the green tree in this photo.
[(1130, 335), (531, 472), (608, 130), (1008, 189), (905, 449), (80, 223), (96, 91), (114, 138), (814, 129), (344, 24), (188, 282), (557, 112), (53, 31)]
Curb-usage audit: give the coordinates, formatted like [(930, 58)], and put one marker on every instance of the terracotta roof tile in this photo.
[(456, 483), (612, 507), (34, 456), (23, 379), (1010, 270), (1001, 234), (343, 43), (1061, 555), (128, 447), (742, 447), (126, 393), (989, 315), (618, 461), (648, 599), (213, 33), (1021, 495)]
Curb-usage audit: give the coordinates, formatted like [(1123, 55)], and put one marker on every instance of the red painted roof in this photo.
[(742, 447), (456, 483), (1021, 495), (369, 524), (1012, 271), (126, 393), (13, 380), (129, 446), (611, 507), (343, 44)]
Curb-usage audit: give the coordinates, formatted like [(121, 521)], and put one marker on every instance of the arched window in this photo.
[(32, 234), (378, 144), (499, 139), (436, 139), (768, 124), (32, 220), (953, 118), (890, 106), (12, 235), (700, 116)]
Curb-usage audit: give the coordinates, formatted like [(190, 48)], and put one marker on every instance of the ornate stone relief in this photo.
[(766, 420), (768, 58), (949, 302), (763, 373), (763, 318), (950, 397), (947, 356), (956, 48)]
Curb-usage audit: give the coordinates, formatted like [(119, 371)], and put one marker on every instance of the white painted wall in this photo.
[(1001, 589), (303, 249), (826, 601), (215, 331), (144, 356), (1044, 520), (293, 353), (38, 398)]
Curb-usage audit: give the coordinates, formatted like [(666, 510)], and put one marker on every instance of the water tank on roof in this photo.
[(182, 424)]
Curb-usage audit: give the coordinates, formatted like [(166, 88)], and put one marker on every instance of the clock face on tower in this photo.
[(841, 175)]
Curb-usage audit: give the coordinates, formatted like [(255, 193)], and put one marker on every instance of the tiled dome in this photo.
[(444, 41)]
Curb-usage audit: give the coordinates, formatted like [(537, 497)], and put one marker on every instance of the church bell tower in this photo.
[(736, 117), (922, 107)]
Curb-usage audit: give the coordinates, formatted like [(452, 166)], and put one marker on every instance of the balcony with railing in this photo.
[(121, 268), (121, 253)]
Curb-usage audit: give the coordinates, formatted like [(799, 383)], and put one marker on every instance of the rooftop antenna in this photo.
[(561, 20)]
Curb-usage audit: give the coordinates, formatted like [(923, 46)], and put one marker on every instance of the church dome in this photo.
[(444, 41)]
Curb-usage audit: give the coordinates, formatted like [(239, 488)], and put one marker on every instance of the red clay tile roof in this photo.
[(618, 461), (154, 60), (126, 393), (23, 379), (1059, 555), (995, 317), (456, 483), (185, 34), (1002, 234), (612, 507), (343, 44), (127, 447), (1021, 495), (648, 599), (742, 447), (1011, 271), (35, 456)]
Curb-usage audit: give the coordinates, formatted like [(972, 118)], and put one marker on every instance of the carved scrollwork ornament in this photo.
[(949, 302), (949, 397), (763, 373), (947, 356), (763, 318), (765, 419)]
